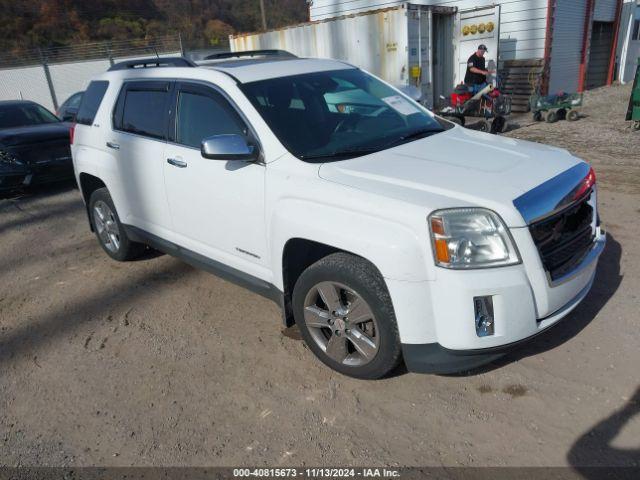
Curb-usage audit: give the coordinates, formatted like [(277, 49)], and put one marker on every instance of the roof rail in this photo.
[(250, 53), (153, 63)]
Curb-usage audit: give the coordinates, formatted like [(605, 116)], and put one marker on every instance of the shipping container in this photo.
[(419, 45)]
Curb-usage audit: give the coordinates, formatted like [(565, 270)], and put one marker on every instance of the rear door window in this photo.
[(91, 102), (143, 109)]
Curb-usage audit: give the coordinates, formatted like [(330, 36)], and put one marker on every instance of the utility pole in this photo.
[(264, 16)]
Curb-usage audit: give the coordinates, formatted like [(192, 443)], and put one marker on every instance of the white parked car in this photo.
[(383, 231)]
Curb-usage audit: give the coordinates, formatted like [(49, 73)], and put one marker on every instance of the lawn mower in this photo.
[(489, 105)]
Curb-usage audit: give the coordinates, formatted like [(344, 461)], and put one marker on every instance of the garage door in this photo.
[(600, 54)]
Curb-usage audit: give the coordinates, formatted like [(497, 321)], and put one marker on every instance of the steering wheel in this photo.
[(347, 123)]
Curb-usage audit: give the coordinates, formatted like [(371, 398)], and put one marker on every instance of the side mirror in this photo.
[(228, 147)]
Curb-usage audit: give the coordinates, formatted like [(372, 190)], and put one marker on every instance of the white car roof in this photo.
[(253, 70)]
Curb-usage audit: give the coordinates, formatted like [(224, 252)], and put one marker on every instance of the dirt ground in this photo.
[(156, 363)]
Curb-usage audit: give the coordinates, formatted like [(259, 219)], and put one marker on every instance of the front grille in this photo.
[(565, 238)]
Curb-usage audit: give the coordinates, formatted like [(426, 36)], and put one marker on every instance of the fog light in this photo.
[(483, 307)]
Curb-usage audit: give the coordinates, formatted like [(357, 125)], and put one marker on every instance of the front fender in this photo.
[(398, 251)]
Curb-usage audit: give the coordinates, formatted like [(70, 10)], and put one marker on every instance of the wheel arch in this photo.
[(88, 184), (297, 255)]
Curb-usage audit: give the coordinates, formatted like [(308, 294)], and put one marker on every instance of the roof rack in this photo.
[(250, 53), (153, 63)]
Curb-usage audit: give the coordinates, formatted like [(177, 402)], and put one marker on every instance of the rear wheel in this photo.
[(110, 232), (537, 116), (551, 116), (573, 115), (344, 313)]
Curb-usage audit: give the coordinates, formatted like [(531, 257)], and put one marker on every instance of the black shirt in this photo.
[(472, 78)]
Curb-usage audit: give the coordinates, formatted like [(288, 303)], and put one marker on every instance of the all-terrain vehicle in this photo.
[(486, 111)]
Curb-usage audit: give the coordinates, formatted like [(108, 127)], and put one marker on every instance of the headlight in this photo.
[(8, 158), (471, 238)]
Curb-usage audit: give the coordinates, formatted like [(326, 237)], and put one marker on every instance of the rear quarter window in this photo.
[(91, 102)]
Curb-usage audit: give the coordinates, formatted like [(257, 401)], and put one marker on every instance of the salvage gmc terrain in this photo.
[(383, 231)]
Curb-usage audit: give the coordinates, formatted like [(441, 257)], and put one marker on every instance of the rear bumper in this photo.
[(434, 358)]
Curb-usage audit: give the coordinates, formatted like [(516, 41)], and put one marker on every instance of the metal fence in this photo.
[(50, 76)]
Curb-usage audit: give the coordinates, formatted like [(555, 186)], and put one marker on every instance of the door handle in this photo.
[(176, 162), (113, 145)]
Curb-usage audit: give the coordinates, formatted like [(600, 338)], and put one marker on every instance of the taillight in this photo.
[(586, 184), (72, 133)]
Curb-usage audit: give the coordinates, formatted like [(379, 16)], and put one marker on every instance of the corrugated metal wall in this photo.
[(566, 47), (69, 78), (377, 42), (28, 83), (605, 11), (522, 25)]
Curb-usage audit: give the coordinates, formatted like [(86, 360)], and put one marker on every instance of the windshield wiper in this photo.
[(354, 152), (350, 153), (421, 133)]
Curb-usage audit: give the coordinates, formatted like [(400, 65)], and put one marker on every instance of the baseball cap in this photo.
[(482, 46)]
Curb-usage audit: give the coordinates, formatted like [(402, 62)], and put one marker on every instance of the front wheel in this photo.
[(344, 313)]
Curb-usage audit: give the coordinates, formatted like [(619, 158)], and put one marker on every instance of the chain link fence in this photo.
[(50, 76)]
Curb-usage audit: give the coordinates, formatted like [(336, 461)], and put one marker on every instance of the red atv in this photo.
[(489, 105)]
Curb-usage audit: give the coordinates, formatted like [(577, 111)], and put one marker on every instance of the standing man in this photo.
[(476, 76)]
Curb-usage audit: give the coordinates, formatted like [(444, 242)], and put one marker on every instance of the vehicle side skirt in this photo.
[(242, 279)]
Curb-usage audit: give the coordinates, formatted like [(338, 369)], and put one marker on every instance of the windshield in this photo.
[(24, 114), (338, 114)]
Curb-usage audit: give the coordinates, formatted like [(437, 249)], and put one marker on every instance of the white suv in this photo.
[(383, 231)]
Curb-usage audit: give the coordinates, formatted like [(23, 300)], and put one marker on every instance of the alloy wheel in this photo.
[(341, 323), (106, 226)]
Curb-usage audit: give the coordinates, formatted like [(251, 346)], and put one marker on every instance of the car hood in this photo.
[(34, 134), (456, 168)]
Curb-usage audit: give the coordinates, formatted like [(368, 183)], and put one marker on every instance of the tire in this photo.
[(551, 116), (108, 229), (455, 119), (573, 115), (498, 125), (562, 114), (537, 116), (350, 286), (484, 126)]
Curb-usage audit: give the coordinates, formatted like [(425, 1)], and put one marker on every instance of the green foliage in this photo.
[(29, 24)]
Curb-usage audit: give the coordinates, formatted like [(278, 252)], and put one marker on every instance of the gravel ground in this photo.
[(156, 363)]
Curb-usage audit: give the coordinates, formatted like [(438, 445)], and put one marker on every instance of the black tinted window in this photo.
[(201, 116), (23, 114), (145, 112), (91, 102)]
